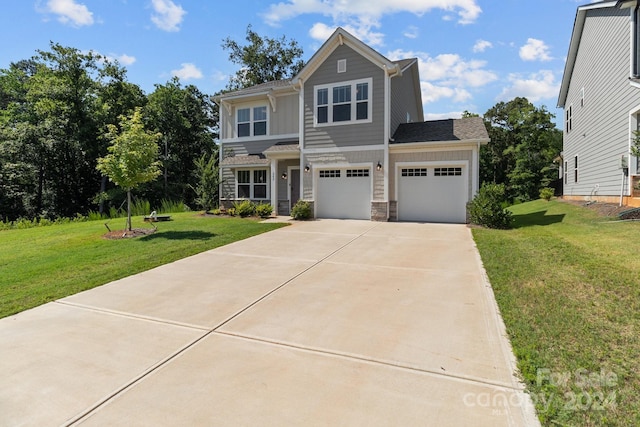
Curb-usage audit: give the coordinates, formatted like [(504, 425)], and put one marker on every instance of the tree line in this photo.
[(58, 108), (55, 112)]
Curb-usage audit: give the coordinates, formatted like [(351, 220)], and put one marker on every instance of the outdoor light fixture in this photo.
[(379, 167), (284, 175), (307, 168)]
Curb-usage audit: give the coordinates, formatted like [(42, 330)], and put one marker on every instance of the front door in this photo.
[(294, 187)]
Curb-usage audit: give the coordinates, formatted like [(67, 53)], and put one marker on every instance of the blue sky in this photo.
[(473, 53)]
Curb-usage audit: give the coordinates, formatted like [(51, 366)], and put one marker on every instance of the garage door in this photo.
[(344, 193), (432, 194)]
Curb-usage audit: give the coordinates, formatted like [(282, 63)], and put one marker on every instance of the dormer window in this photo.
[(252, 121), (343, 103)]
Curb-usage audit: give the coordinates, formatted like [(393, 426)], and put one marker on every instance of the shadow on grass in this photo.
[(179, 235), (536, 218)]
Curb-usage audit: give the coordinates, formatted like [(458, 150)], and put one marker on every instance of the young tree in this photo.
[(263, 59), (133, 156)]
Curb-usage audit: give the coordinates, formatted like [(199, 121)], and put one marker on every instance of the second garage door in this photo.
[(344, 193), (432, 194)]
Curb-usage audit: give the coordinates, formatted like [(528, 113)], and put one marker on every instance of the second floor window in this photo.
[(252, 121), (340, 103)]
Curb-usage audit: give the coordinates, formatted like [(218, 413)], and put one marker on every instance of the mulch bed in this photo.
[(125, 234), (606, 209)]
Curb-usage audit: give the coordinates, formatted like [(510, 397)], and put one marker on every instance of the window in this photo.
[(252, 184), (447, 172), (414, 172), (566, 172), (575, 169), (343, 103), (252, 121), (582, 97), (333, 173), (568, 124), (353, 173), (342, 65)]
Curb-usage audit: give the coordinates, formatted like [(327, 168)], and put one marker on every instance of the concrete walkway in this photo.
[(330, 322)]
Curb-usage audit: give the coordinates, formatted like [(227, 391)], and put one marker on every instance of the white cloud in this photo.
[(124, 59), (70, 12), (535, 87), (535, 50), (447, 76), (482, 45), (322, 32), (168, 16), (411, 32), (443, 116), (363, 16), (188, 71)]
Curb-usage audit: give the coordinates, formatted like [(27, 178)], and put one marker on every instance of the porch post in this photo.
[(274, 185)]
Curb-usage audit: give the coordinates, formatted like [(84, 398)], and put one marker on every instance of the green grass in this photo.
[(42, 264), (568, 286)]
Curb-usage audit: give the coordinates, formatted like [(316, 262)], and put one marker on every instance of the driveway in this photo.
[(330, 322)]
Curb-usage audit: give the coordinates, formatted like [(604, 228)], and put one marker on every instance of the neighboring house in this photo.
[(347, 134), (600, 95)]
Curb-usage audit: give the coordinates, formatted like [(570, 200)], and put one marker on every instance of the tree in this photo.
[(132, 158), (186, 119), (208, 182), (262, 60), (524, 143)]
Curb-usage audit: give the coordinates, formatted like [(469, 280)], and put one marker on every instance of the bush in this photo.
[(264, 210), (487, 209), (244, 208), (301, 210), (231, 211), (546, 193)]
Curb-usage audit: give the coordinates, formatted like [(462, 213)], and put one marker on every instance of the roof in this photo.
[(576, 35), (465, 129), (249, 160), (281, 147)]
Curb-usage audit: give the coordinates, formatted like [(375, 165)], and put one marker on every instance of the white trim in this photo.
[(422, 147), (274, 185), (261, 138), (251, 183), (353, 102), (251, 107), (344, 149)]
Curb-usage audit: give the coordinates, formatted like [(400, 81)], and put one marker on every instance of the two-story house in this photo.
[(348, 135), (600, 95)]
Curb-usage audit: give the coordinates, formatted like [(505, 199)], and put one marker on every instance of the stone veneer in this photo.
[(379, 211)]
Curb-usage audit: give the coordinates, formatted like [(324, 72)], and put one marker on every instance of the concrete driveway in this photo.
[(330, 322)]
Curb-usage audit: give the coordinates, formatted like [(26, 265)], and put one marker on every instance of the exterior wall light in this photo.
[(379, 167), (307, 168), (284, 175)]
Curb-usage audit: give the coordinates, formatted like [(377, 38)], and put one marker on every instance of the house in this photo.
[(347, 134), (600, 95)]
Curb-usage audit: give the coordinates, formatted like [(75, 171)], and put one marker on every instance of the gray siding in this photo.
[(600, 131), (345, 135), (283, 121), (403, 98)]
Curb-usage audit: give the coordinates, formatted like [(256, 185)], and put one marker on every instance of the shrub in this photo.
[(486, 208), (217, 211), (264, 210), (231, 211), (301, 210), (546, 193), (244, 208)]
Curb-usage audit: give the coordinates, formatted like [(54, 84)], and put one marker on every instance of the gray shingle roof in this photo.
[(282, 147), (468, 128), (250, 160), (262, 87)]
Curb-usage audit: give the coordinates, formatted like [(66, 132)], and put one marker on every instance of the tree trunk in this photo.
[(129, 210)]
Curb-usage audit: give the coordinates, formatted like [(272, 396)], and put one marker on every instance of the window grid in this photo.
[(330, 173), (447, 172), (342, 103), (251, 121), (352, 173), (414, 172), (251, 184)]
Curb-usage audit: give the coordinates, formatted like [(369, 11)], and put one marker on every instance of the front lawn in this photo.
[(42, 264), (567, 282)]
